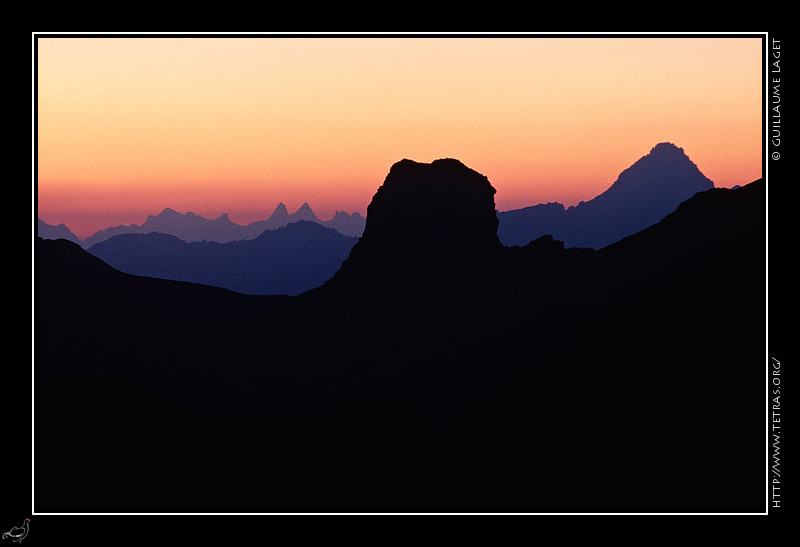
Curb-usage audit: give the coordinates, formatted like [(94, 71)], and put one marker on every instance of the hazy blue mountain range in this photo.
[(642, 195), (287, 260), (191, 227), (48, 231)]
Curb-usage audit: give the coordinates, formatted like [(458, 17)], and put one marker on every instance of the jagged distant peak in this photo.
[(50, 231), (169, 212), (280, 210), (42, 224), (304, 213), (345, 214), (166, 213)]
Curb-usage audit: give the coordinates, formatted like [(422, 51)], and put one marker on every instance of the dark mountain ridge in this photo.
[(288, 260), (539, 378)]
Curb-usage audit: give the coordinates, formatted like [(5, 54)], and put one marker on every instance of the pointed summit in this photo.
[(304, 213), (280, 212), (642, 195), (665, 170)]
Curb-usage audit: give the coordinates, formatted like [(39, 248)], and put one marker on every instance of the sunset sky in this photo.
[(127, 126)]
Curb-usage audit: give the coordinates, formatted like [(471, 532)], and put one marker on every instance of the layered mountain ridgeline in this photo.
[(49, 231), (437, 372), (288, 260), (642, 195), (191, 227)]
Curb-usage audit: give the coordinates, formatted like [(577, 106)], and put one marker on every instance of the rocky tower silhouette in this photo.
[(428, 225)]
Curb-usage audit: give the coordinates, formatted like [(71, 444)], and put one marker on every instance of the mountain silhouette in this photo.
[(641, 196), (342, 222), (437, 370), (429, 225), (305, 213), (188, 227), (345, 223), (288, 260), (48, 231), (191, 228), (280, 215)]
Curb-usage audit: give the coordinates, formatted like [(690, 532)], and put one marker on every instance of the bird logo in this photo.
[(17, 533)]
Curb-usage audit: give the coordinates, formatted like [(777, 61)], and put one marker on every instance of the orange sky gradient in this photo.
[(127, 126)]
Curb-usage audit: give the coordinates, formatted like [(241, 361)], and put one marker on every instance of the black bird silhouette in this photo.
[(17, 533)]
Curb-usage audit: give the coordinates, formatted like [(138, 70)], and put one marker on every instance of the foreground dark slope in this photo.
[(431, 373), (123, 368)]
